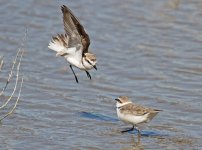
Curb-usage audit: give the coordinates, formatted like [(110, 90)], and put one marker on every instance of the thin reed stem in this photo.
[(11, 111)]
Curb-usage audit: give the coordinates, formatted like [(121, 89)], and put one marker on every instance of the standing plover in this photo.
[(133, 114), (74, 44)]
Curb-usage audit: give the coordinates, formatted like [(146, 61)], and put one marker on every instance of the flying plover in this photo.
[(74, 44)]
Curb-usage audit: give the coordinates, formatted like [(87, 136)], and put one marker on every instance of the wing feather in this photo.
[(72, 22), (70, 28), (59, 44), (137, 110)]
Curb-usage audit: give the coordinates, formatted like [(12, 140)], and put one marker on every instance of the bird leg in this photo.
[(139, 134), (127, 130), (88, 74), (74, 73)]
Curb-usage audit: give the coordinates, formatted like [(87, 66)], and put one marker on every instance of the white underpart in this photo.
[(130, 118), (74, 55)]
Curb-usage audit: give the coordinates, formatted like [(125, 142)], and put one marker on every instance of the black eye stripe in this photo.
[(88, 62), (118, 100)]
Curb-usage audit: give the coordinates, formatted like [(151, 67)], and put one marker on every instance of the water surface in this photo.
[(147, 50)]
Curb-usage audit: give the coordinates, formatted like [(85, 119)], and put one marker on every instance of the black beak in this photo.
[(95, 67)]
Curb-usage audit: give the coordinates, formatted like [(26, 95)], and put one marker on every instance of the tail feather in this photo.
[(59, 43)]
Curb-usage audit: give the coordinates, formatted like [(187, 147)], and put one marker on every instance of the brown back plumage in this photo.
[(138, 110), (135, 109)]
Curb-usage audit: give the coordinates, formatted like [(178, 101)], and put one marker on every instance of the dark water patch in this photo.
[(148, 133), (97, 116)]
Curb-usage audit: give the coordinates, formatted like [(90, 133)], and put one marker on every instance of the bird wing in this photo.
[(59, 44), (134, 109), (70, 28), (71, 23)]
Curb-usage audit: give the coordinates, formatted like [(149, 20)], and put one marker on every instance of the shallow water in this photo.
[(148, 50)]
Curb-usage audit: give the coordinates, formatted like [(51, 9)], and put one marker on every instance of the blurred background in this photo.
[(147, 50)]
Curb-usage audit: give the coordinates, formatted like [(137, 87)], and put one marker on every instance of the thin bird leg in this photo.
[(131, 129), (88, 74), (74, 74), (139, 133)]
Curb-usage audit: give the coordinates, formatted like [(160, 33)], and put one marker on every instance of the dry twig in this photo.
[(16, 82), (1, 62), (11, 111), (16, 64), (11, 73)]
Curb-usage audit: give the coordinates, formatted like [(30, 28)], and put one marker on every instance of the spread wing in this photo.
[(73, 27), (137, 110), (70, 28)]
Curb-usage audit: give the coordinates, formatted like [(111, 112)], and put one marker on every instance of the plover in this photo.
[(133, 114), (74, 44)]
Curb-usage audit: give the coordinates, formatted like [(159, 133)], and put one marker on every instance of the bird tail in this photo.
[(59, 43), (152, 114)]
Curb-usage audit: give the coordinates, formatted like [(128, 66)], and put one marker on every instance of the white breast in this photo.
[(74, 57), (132, 119)]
